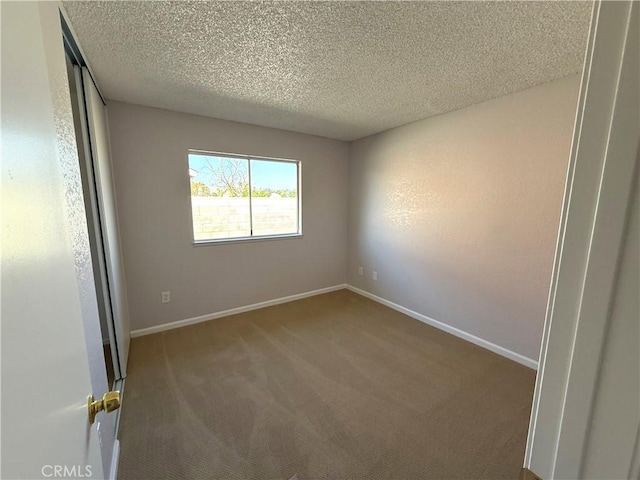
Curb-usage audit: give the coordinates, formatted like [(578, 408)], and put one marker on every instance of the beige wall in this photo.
[(149, 149), (459, 213)]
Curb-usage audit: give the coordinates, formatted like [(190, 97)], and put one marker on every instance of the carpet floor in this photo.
[(329, 387)]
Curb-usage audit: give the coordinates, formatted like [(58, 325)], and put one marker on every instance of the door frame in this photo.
[(602, 169)]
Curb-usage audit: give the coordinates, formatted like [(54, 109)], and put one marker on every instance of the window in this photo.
[(238, 197)]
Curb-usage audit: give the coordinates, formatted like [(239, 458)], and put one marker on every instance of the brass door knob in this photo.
[(109, 402)]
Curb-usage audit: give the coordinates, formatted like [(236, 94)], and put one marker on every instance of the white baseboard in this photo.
[(115, 458), (505, 352), (233, 311)]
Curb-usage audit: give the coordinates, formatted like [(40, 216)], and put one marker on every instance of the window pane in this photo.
[(274, 197), (219, 197)]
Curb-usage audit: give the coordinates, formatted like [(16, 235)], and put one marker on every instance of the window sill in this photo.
[(228, 241)]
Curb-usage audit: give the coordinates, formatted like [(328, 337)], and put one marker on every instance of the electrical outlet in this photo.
[(360, 271), (375, 275), (166, 297)]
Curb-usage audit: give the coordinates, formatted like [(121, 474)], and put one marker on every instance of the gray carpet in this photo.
[(334, 386)]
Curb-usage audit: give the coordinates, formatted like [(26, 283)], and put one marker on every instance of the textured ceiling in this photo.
[(342, 70)]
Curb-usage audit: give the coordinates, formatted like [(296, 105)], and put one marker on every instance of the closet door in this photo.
[(101, 159)]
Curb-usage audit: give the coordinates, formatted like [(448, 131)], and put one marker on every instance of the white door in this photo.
[(48, 296), (98, 130)]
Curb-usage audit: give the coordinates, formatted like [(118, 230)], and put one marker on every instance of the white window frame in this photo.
[(251, 238)]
